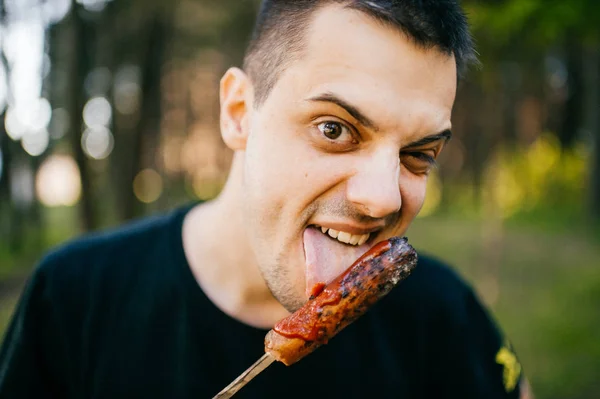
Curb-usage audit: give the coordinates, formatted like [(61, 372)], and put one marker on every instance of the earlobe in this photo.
[(235, 95)]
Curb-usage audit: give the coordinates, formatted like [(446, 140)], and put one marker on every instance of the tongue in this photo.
[(327, 258)]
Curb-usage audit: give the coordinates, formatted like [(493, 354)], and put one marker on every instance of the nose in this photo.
[(375, 187)]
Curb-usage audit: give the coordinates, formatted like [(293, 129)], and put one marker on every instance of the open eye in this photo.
[(335, 130)]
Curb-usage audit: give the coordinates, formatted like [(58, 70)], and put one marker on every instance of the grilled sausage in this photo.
[(342, 301)]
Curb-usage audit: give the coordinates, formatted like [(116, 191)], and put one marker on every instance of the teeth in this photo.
[(346, 238), (363, 239)]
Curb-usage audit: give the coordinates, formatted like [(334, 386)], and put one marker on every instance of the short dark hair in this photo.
[(279, 32)]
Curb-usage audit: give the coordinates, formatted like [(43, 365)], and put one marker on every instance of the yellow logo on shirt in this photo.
[(512, 367)]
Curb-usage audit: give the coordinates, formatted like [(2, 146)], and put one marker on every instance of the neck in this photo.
[(217, 249)]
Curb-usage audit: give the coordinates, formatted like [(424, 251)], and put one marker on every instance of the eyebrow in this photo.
[(349, 108), (445, 135)]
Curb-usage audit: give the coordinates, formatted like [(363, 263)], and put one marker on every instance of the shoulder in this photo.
[(431, 272), (454, 337), (111, 256), (436, 297), (123, 238), (434, 284)]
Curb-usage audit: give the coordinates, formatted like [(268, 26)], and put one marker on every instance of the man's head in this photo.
[(336, 125)]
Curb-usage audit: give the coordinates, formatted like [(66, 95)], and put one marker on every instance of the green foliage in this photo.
[(519, 180), (534, 21), (534, 182)]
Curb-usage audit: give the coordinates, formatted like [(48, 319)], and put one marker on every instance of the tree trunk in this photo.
[(148, 122), (10, 228), (6, 211), (591, 76), (574, 104), (79, 66)]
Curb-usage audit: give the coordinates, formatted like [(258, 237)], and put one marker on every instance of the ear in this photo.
[(236, 103)]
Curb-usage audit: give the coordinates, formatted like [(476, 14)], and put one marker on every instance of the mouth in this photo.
[(329, 252)]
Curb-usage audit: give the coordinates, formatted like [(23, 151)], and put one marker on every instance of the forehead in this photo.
[(375, 67)]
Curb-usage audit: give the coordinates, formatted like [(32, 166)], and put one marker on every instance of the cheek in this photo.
[(265, 159), (282, 162), (413, 189), (278, 172)]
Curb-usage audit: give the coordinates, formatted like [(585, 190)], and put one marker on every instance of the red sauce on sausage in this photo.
[(303, 323), (298, 326), (317, 289)]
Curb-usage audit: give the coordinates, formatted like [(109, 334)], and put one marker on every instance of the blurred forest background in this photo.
[(110, 112)]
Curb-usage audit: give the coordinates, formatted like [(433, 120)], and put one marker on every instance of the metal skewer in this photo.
[(244, 378)]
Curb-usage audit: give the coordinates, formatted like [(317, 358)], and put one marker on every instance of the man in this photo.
[(335, 122)]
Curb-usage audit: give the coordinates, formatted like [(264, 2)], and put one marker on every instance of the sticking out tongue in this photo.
[(326, 257)]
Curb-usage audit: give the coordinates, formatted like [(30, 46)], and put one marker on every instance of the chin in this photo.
[(287, 298), (284, 283)]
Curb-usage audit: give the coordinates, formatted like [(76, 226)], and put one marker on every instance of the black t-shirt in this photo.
[(120, 315)]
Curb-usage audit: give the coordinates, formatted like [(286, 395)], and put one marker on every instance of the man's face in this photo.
[(344, 142)]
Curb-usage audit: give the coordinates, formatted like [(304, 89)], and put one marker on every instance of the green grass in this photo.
[(542, 287)]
